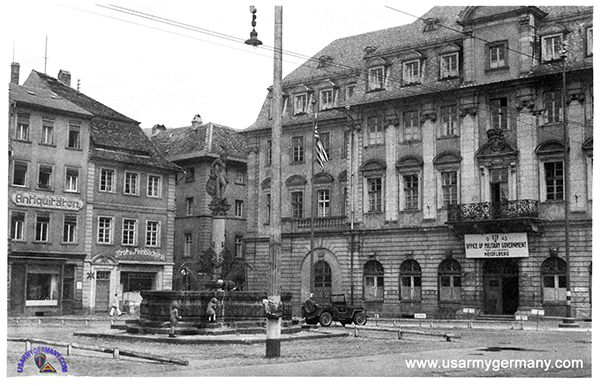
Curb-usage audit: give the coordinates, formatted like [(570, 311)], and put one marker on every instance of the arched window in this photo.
[(410, 281), (322, 285), (449, 281), (373, 272), (554, 279)]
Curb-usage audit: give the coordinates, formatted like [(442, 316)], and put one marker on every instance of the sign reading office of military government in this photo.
[(498, 245), (46, 201)]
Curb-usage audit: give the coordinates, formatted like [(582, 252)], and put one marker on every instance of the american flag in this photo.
[(321, 153)]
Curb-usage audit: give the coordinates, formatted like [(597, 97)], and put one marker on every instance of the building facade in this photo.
[(446, 185), (91, 203), (194, 149)]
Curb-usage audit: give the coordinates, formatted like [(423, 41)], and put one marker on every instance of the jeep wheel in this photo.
[(360, 318), (325, 319), (309, 306)]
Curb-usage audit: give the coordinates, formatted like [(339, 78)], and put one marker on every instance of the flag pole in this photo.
[(312, 200)]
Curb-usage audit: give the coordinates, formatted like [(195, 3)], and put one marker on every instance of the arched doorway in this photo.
[(500, 286), (326, 275)]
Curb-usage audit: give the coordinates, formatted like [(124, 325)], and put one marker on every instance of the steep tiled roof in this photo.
[(44, 98), (192, 141), (113, 135), (41, 80)]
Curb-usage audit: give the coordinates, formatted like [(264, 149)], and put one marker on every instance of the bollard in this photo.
[(27, 345), (39, 321), (394, 322), (355, 331), (69, 349), (62, 321), (87, 322), (399, 335), (115, 353)]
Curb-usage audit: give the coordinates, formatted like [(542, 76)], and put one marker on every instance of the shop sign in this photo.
[(44, 201), (496, 245), (139, 252)]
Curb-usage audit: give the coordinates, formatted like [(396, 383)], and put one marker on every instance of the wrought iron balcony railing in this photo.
[(479, 211)]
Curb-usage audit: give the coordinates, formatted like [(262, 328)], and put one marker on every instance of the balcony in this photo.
[(490, 217), (320, 223)]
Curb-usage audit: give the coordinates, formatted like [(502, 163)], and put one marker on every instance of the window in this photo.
[(375, 194), (373, 273), (42, 227), (554, 279), (189, 174), (323, 203), (375, 131), (74, 140), (129, 236), (47, 132), (239, 208), (105, 230), (268, 153), (42, 289), (411, 72), (297, 204), (497, 55), (268, 207), (553, 106), (449, 188), (411, 192), (499, 113), (72, 180), (590, 41), (69, 229), (152, 233), (449, 121), (17, 226), (239, 246), (554, 177), (20, 173), (187, 245), (45, 177), (449, 66), (22, 133), (154, 186), (107, 177), (298, 149), (189, 206), (345, 144), (376, 78), (411, 127), (131, 185), (326, 99), (410, 281), (450, 281), (300, 104), (552, 47), (350, 91)]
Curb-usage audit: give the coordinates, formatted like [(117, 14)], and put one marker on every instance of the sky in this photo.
[(158, 73)]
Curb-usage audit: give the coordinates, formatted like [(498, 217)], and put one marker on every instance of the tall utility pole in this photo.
[(274, 324)]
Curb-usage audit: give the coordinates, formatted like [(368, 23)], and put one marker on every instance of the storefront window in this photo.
[(42, 289)]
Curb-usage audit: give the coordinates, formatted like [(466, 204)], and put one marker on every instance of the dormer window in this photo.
[(327, 99), (449, 66), (376, 78), (552, 47), (431, 24), (497, 55), (411, 71), (590, 41), (300, 103)]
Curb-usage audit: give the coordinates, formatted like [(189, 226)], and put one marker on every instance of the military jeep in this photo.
[(335, 311)]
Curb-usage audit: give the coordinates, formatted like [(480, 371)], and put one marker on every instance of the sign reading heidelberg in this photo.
[(496, 245), (46, 201)]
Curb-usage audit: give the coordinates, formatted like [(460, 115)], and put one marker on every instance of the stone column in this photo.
[(391, 176), (428, 118), (577, 160), (469, 143), (526, 130)]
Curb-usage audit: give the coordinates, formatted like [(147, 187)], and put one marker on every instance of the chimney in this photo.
[(14, 72), (196, 122), (64, 77), (156, 128)]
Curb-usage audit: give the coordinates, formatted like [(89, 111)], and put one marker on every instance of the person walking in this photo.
[(211, 310), (174, 317), (115, 306)]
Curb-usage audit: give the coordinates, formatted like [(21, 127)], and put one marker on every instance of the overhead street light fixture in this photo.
[(253, 41)]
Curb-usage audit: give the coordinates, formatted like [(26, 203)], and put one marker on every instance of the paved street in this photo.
[(478, 353)]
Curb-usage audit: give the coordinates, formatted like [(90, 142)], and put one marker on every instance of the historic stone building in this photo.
[(194, 149), (445, 189), (92, 203)]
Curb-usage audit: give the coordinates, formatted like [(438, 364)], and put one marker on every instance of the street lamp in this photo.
[(253, 41)]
